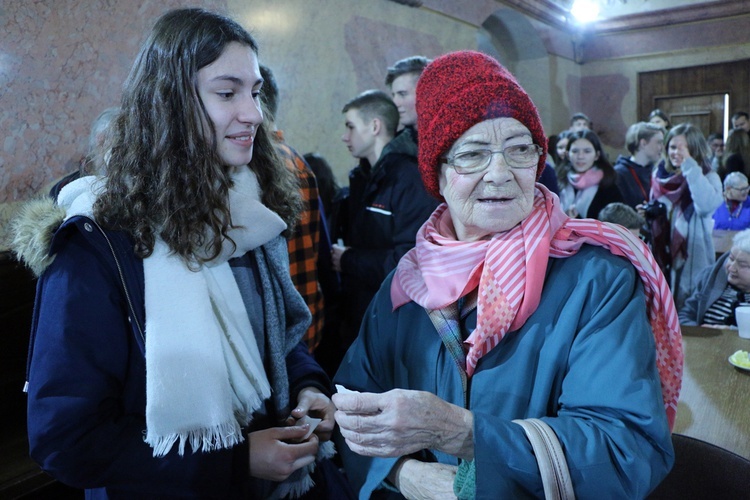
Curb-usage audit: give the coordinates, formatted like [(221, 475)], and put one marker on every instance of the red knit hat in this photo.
[(455, 92)]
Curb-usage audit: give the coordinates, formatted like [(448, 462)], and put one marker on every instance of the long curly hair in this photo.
[(164, 176)]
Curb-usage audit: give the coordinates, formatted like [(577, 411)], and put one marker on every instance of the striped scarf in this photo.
[(509, 271)]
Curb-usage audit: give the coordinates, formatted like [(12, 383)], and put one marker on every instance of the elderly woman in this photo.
[(734, 213), (479, 333), (721, 288)]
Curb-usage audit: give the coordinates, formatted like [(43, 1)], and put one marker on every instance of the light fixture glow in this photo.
[(726, 116), (585, 11)]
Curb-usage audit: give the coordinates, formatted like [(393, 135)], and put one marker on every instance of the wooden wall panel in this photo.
[(731, 77)]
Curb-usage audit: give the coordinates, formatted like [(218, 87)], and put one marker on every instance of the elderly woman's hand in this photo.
[(400, 422), (421, 480)]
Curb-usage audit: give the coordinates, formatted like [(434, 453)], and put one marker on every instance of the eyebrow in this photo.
[(234, 79), (483, 142)]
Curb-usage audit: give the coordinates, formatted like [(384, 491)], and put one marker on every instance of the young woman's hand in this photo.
[(312, 402), (275, 453)]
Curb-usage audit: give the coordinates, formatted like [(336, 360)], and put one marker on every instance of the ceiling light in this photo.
[(585, 11)]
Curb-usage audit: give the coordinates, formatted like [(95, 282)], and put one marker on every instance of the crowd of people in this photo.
[(476, 284)]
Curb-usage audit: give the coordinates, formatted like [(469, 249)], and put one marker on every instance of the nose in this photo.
[(250, 112), (345, 137), (497, 170)]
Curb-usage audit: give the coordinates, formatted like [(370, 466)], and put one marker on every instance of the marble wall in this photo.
[(63, 62)]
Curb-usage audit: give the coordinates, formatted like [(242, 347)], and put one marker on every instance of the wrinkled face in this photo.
[(403, 91), (738, 193), (737, 266), (582, 155), (229, 88), (653, 147), (495, 199), (562, 148), (657, 120), (741, 122), (678, 150), (579, 124), (717, 147), (359, 136)]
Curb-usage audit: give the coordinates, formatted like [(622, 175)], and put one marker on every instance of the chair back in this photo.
[(703, 470)]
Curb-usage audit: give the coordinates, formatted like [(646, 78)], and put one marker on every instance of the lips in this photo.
[(244, 139), (496, 199)]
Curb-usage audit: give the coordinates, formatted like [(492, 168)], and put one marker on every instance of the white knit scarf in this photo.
[(204, 374)]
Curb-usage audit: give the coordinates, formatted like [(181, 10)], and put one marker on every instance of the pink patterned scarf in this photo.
[(591, 177), (509, 270)]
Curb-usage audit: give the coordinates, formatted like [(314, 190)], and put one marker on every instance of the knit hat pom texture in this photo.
[(457, 91)]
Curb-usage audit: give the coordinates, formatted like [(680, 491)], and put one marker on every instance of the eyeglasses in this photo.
[(476, 160), (741, 189)]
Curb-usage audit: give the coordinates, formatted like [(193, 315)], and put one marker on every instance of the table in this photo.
[(715, 399)]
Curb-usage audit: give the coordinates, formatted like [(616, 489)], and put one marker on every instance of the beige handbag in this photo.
[(549, 455)]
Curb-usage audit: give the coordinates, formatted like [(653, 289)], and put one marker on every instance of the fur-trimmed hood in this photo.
[(32, 229), (34, 225)]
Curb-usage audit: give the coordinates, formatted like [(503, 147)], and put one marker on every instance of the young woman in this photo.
[(690, 192), (736, 157), (166, 356), (660, 118), (559, 150), (587, 179)]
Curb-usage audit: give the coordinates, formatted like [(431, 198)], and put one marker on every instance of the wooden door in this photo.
[(704, 111), (696, 94)]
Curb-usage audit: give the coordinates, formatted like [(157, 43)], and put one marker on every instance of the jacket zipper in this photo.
[(122, 280)]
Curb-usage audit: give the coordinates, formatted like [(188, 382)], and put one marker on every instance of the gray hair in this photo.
[(733, 179), (741, 241), (99, 127)]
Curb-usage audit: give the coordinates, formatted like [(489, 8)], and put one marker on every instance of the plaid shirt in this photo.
[(303, 246)]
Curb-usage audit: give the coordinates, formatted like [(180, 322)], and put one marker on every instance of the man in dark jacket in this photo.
[(387, 203), (645, 142), (402, 79)]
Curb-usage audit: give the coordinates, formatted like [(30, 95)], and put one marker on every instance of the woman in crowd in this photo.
[(559, 150), (721, 288), (166, 357), (690, 192), (507, 313), (327, 185), (660, 118), (734, 213), (587, 179), (736, 157)]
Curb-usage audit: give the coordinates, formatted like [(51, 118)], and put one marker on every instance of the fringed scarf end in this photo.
[(221, 436)]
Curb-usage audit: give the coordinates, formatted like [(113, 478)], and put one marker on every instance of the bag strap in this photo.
[(550, 458)]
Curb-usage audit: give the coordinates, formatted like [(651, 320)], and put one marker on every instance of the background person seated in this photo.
[(624, 215), (734, 213), (721, 288)]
